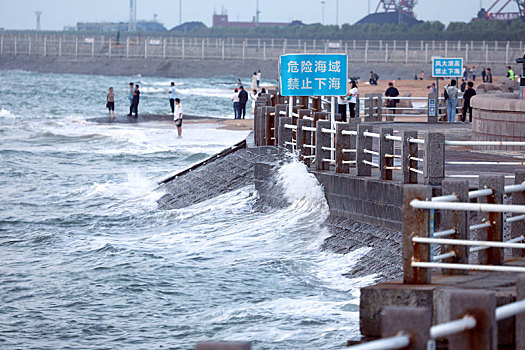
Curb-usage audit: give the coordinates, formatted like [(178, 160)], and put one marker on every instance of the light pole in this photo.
[(322, 12), (336, 12), (180, 12)]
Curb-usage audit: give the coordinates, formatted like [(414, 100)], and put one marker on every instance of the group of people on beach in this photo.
[(240, 96), (134, 99)]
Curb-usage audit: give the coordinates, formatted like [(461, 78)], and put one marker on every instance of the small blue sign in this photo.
[(313, 75), (447, 67), (432, 107)]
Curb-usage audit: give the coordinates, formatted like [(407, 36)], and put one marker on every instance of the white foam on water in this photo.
[(4, 113), (206, 92)]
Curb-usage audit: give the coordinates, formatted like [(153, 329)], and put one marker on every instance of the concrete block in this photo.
[(520, 319), (479, 304), (374, 299), (408, 150), (434, 165), (518, 198), (415, 322), (492, 256), (415, 223), (322, 140), (362, 144)]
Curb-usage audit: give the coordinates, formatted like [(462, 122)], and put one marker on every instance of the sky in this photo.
[(19, 14)]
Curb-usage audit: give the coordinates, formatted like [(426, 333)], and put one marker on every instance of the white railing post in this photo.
[(446, 48), (243, 49), (466, 53), (202, 51), (366, 51), (145, 48), (29, 45), (59, 46), (507, 53), (182, 49), (386, 53), (222, 49), (15, 44), (426, 52), (109, 47), (93, 48), (76, 45), (45, 45), (264, 50), (127, 47)]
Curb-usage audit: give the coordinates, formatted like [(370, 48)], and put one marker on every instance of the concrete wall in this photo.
[(363, 199), (498, 117)]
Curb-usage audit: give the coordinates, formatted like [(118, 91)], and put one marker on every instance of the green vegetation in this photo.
[(474, 30)]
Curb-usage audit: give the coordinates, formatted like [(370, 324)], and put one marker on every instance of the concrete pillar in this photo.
[(259, 122), (385, 147), (415, 224), (269, 125), (413, 321), (285, 134), (517, 228), (492, 256), (362, 144), (479, 304), (520, 319), (278, 108), (345, 142), (434, 162), (457, 220), (322, 140), (409, 149), (304, 137)]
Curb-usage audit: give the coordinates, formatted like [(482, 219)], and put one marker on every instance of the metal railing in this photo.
[(164, 45)]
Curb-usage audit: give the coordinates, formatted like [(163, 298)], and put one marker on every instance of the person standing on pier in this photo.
[(243, 98), (352, 98), (235, 100), (254, 81), (466, 102), (258, 78), (510, 73), (451, 95), (110, 102), (473, 73), (172, 97), (484, 75), (131, 91), (341, 107), (136, 100), (177, 116), (489, 75)]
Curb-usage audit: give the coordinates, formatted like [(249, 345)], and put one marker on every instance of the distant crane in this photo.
[(499, 14), (404, 6), (132, 25), (38, 13)]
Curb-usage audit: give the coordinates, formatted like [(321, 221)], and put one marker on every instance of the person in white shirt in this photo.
[(172, 97), (177, 116), (253, 97), (352, 98), (258, 78), (254, 80), (341, 107), (235, 100)]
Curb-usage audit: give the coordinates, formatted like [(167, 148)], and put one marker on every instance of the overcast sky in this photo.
[(19, 14)]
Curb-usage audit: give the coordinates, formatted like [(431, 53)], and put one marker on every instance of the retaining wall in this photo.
[(498, 117)]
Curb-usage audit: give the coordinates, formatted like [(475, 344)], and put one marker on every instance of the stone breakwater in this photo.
[(187, 68)]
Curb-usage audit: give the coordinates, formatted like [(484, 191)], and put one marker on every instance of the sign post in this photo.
[(314, 75), (443, 68)]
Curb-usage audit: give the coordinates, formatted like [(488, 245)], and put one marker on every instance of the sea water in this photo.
[(87, 261)]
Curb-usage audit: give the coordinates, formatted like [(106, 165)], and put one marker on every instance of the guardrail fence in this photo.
[(165, 46)]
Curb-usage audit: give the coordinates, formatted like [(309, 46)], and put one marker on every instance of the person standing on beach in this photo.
[(253, 97), (352, 98), (172, 97), (110, 102), (243, 98), (254, 81), (131, 90), (177, 116), (489, 75), (235, 100), (451, 95), (136, 100), (258, 78), (466, 102), (392, 92)]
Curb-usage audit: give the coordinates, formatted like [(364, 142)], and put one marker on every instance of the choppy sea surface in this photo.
[(87, 261)]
